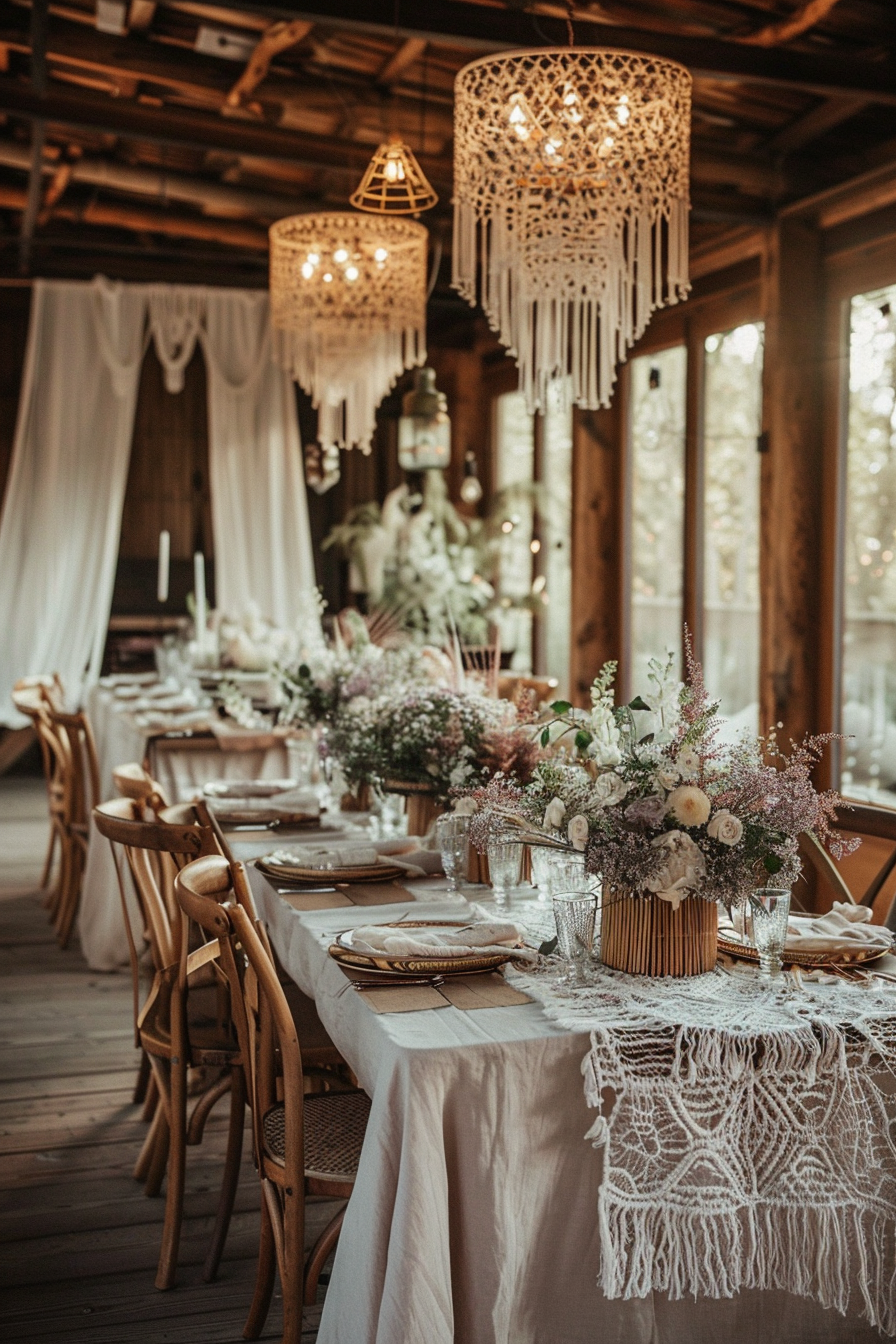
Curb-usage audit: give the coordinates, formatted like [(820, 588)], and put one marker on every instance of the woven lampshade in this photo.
[(571, 186), (394, 183), (348, 309)]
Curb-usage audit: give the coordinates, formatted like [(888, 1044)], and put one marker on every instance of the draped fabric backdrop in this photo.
[(60, 526)]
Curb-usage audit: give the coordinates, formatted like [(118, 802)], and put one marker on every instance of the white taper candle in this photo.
[(199, 596), (164, 564)]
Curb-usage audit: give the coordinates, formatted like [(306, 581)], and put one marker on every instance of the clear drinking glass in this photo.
[(769, 912), (542, 873), (391, 816), (504, 861), (301, 756), (575, 914), (452, 832)]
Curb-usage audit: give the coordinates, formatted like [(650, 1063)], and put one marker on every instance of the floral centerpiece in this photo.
[(670, 816)]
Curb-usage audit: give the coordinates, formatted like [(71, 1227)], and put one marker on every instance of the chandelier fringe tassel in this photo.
[(571, 208)]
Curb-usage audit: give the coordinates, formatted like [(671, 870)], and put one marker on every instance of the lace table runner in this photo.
[(747, 1139)]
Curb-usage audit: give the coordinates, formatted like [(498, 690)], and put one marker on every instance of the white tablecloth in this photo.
[(474, 1216), (181, 770)]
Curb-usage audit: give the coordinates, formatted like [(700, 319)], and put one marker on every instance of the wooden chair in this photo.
[(182, 1023), (133, 781), (81, 792), (28, 698), (878, 823), (304, 1144)]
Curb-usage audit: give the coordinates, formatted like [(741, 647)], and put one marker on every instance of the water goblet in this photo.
[(575, 914), (769, 913), (452, 832), (504, 861), (301, 756)]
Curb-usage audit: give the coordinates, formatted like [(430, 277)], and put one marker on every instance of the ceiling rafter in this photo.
[(783, 30), (279, 37)]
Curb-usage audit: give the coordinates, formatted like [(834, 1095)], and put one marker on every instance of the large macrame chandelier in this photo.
[(571, 172), (348, 308)]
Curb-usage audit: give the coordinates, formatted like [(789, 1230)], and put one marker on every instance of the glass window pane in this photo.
[(869, 577), (732, 419), (656, 455), (556, 532), (514, 475)]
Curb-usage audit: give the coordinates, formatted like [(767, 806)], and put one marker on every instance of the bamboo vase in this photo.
[(645, 936)]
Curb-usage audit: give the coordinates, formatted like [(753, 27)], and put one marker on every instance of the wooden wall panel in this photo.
[(597, 615), (791, 481), (15, 309)]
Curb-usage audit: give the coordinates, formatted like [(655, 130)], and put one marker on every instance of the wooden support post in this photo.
[(791, 482), (597, 551)]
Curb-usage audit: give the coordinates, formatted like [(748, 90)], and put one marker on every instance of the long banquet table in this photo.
[(181, 764), (474, 1217)]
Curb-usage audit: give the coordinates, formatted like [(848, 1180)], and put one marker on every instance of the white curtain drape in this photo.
[(62, 514), (61, 520), (263, 553)]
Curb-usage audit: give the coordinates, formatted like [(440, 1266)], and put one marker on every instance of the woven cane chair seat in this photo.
[(334, 1133)]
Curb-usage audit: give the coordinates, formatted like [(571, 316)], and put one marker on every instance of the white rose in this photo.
[(667, 777), (689, 805), (464, 807), (554, 814), (577, 830), (688, 762), (725, 827), (610, 789), (683, 869)]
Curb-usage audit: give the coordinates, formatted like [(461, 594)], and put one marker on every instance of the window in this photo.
[(533, 501), (656, 489), (868, 685), (732, 419)]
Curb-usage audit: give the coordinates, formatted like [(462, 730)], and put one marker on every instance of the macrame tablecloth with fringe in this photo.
[(748, 1132)]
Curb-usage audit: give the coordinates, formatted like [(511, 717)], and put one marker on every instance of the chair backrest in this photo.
[(209, 894), (875, 823), (82, 778), (133, 781), (28, 698)]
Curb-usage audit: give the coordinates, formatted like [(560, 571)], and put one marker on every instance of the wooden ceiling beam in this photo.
[(800, 21), (279, 37), (814, 123), (410, 51), (487, 28)]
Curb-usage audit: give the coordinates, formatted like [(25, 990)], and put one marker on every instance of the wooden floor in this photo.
[(78, 1238)]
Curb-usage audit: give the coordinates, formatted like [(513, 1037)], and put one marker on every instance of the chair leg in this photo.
[(142, 1165), (204, 1106), (292, 1263), (155, 1171), (144, 1075), (71, 901), (174, 1196), (264, 1280), (318, 1257), (232, 1163), (48, 861), (151, 1104)]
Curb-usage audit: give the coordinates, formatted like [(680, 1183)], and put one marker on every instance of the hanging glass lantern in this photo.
[(424, 430), (471, 486)]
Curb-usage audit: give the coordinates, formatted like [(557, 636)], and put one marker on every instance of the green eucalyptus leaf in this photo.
[(545, 737), (561, 706), (304, 670), (638, 703), (547, 948), (584, 739), (772, 863)]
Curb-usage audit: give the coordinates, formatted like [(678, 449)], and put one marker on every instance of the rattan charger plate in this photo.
[(732, 947), (394, 967), (263, 816), (371, 872)]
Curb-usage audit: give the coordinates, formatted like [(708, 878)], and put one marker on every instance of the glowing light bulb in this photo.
[(380, 254), (327, 278), (340, 255), (506, 526), (307, 270), (518, 117), (471, 493), (535, 546), (623, 111), (573, 105), (313, 259), (351, 272)]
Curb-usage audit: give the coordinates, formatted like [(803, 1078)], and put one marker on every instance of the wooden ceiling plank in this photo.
[(279, 37), (800, 21), (815, 123), (141, 14), (407, 54), (486, 29)]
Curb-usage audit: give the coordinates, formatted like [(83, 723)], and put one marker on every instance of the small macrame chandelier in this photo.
[(348, 310), (571, 170), (394, 183)]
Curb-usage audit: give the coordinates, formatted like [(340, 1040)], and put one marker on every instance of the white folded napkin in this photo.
[(845, 928), (287, 802), (329, 856), (156, 722), (378, 940)]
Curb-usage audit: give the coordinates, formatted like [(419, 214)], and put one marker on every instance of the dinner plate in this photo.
[(371, 872), (395, 967), (249, 788), (733, 947)]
